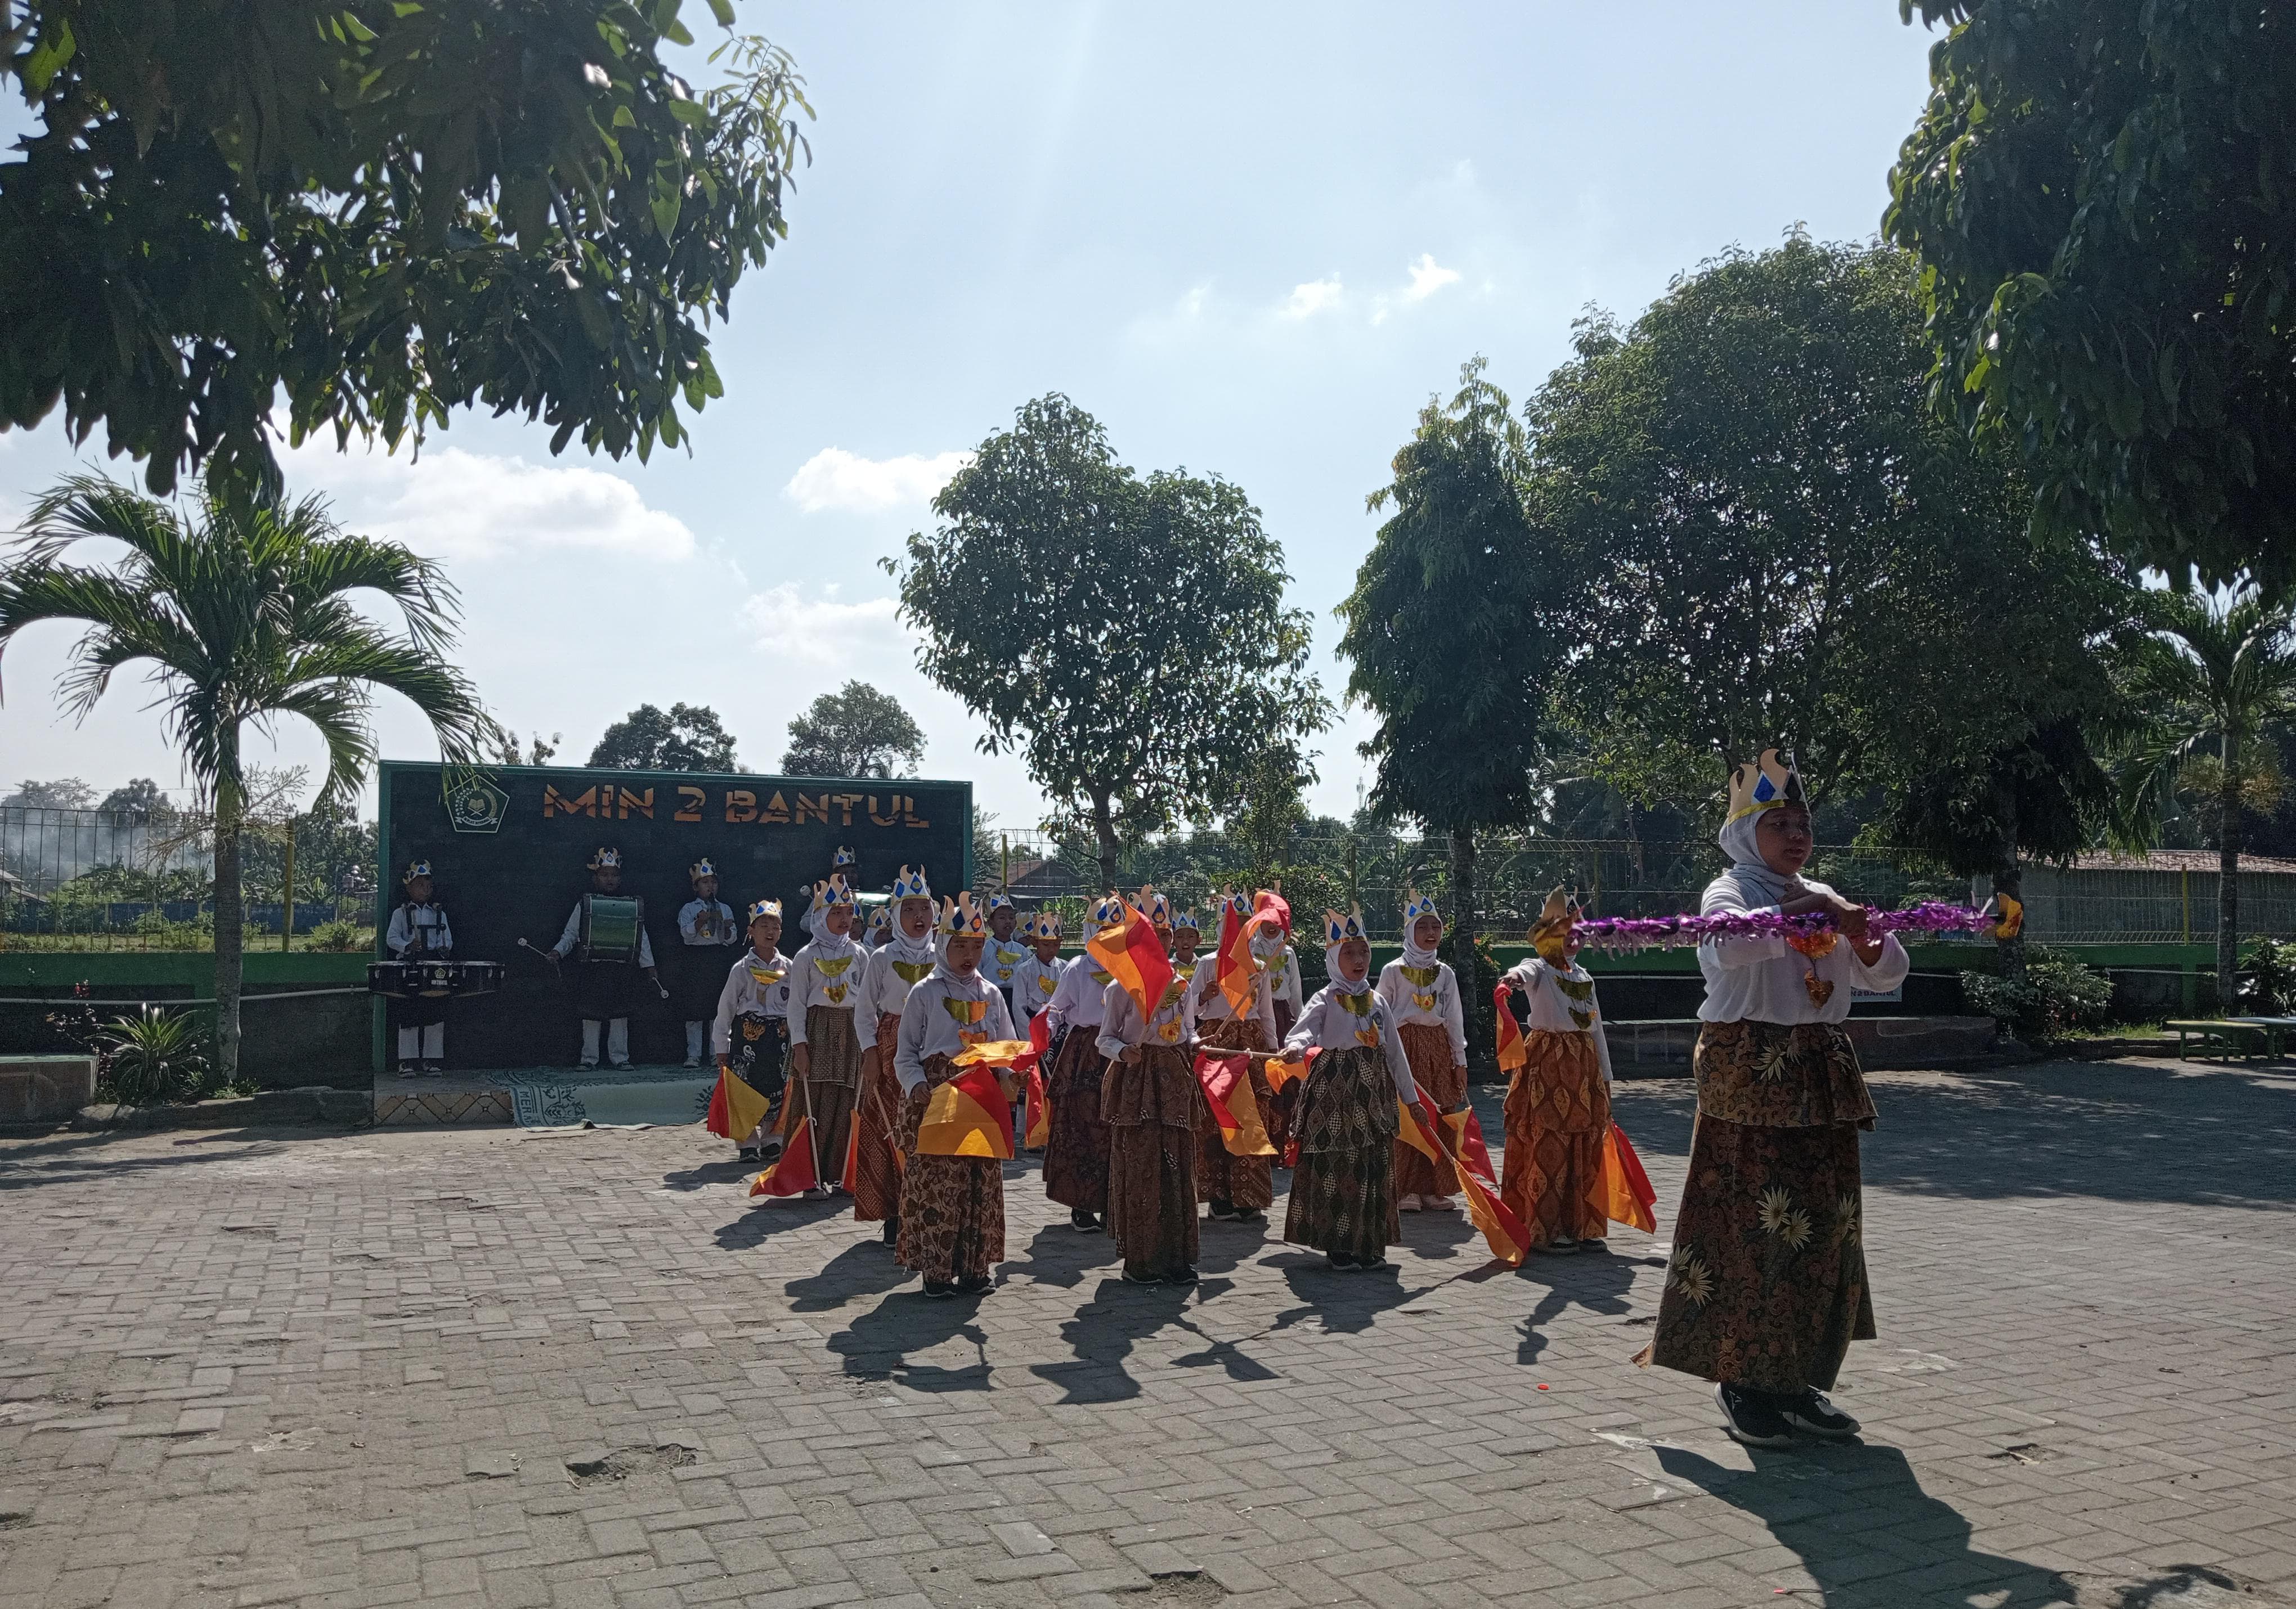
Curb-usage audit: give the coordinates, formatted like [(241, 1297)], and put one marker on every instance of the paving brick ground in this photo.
[(491, 1367)]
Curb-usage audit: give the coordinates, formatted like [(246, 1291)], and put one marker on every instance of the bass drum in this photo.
[(433, 979)]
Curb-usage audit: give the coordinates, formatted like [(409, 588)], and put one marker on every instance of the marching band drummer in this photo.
[(419, 932), (750, 1036), (609, 945), (705, 933)]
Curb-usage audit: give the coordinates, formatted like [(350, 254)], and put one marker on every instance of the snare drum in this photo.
[(433, 979)]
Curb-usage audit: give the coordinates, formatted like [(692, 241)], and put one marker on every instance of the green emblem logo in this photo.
[(477, 806)]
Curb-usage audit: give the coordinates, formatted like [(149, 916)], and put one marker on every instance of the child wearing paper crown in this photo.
[(706, 938), (751, 1033), (1767, 1286), (1237, 1188), (419, 931), (905, 959), (1149, 1100), (1423, 993), (952, 1207), (1343, 1187), (825, 986), (1075, 1150), (1558, 1101)]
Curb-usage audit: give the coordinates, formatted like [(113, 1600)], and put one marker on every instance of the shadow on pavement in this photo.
[(863, 1269), (1348, 1304), (1598, 1283), (1103, 1333), (723, 1170), (878, 1345), (1865, 1530)]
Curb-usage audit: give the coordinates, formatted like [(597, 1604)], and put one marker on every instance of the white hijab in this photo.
[(1412, 955), (913, 952), (1740, 842), (1339, 980)]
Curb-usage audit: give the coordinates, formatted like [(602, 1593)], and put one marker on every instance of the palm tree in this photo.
[(246, 614), (2208, 677)]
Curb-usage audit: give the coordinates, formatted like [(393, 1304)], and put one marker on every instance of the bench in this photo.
[(2227, 1038)]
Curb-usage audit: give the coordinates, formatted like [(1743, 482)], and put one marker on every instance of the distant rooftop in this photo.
[(2177, 859)]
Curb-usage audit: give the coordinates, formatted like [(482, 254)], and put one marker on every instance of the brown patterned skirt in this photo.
[(828, 1092), (952, 1207), (1558, 1114), (1149, 1105), (1342, 1198), (1427, 1047), (1766, 1288), (1076, 1146), (1245, 1182), (876, 1176)]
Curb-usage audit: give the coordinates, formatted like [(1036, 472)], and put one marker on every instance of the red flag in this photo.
[(1040, 1123), (968, 1116), (1626, 1187), (736, 1109), (1511, 1051), (1457, 1141), (1131, 953), (1040, 1033), (1226, 1081), (795, 1171)]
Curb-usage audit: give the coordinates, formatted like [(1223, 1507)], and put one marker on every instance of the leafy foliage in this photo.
[(372, 216), (689, 738), (141, 798), (2104, 198), (2057, 996), (1129, 636), (855, 731), (151, 1056), (65, 793)]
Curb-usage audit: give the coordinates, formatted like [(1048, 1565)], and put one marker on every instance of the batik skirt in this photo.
[(1148, 1103), (1558, 1117), (1427, 1047), (1076, 1146), (1343, 1186), (952, 1207), (877, 1126), (827, 1093), (1248, 1182)]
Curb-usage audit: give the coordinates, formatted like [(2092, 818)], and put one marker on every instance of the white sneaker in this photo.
[(1440, 1203), (1410, 1203)]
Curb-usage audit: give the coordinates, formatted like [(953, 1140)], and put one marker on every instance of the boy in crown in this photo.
[(418, 931), (1149, 1098), (1002, 960), (824, 986), (898, 966), (1075, 1150), (705, 934), (1344, 1188), (751, 1033), (1039, 977), (952, 1207), (604, 982), (1237, 1188), (1767, 1286), (1422, 991), (1558, 1101)]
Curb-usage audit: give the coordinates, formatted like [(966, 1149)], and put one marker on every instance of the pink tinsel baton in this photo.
[(1624, 933)]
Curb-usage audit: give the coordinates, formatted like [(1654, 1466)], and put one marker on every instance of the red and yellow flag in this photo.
[(968, 1115), (1456, 1144), (1039, 1113), (1226, 1081), (736, 1109), (795, 1171), (1627, 1193), (1131, 953), (1281, 1071), (1511, 1051), (1235, 967)]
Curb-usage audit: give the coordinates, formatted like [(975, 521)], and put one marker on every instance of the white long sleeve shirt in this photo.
[(703, 923), (885, 986), (1764, 979), (826, 972), (1431, 998), (1332, 1026), (929, 1028), (1561, 1000), (428, 921), (1076, 1001), (570, 935), (1209, 1002), (1035, 984), (756, 986), (1001, 961), (1121, 1027)]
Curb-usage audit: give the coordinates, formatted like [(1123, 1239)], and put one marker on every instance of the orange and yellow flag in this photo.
[(795, 1172), (968, 1116), (1511, 1051), (736, 1109), (1131, 953), (1235, 967), (1455, 1145), (1226, 1081), (1627, 1193)]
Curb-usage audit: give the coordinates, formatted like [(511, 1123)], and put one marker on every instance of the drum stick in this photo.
[(548, 955)]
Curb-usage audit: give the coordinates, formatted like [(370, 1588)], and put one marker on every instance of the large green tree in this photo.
[(1454, 637), (242, 615), (1780, 543), (855, 731), (1126, 635), (367, 213), (2103, 195), (689, 738)]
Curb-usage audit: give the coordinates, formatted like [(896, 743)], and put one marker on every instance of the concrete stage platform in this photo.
[(545, 1096)]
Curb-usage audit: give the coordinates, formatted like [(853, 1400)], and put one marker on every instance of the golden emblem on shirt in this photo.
[(1103, 978), (968, 1014), (834, 993), (832, 966), (913, 973), (1048, 984), (766, 977), (1359, 1005)]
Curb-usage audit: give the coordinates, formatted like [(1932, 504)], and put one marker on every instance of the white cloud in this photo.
[(1428, 277), (825, 632), (476, 506), (834, 478), (1316, 296)]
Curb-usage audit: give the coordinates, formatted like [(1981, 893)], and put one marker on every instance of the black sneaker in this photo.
[(1751, 1418), (1814, 1415), (408, 1068), (974, 1284), (938, 1287), (1373, 1265), (1345, 1264), (1250, 1215), (434, 1069), (1130, 1277), (747, 1154), (1594, 1245), (1223, 1211), (892, 1231), (1186, 1275), (1084, 1221)]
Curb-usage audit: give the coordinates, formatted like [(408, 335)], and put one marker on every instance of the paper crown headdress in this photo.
[(998, 902), (843, 858), (1110, 911), (1235, 900), (960, 918), (772, 907), (701, 868), (911, 884), (881, 921), (416, 868), (1764, 784), (1415, 905), (1186, 919), (1556, 916), (1338, 930), (833, 892), (1154, 906), (605, 857), (1043, 925)]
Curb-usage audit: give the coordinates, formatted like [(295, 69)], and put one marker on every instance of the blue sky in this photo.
[(1253, 240)]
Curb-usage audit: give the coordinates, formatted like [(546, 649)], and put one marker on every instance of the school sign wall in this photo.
[(509, 846)]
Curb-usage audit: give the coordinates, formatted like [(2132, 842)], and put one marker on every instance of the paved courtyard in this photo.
[(496, 1369)]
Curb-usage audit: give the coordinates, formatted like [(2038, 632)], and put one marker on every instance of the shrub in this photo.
[(151, 1056), (2267, 983), (2057, 996), (340, 934)]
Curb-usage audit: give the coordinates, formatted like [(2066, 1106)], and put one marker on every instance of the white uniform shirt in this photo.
[(755, 986), (1284, 978), (885, 986), (571, 935), (1327, 1024), (1076, 1001), (706, 922), (826, 972), (1554, 1007), (1001, 961), (929, 1028), (1763, 980), (1435, 1002), (1209, 1002), (1034, 986), (1120, 1026), (429, 920)]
